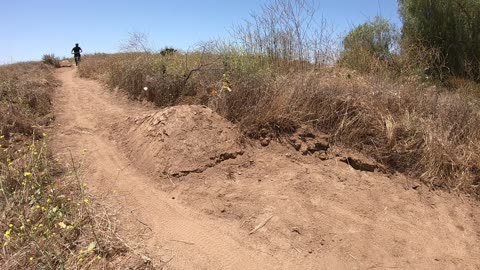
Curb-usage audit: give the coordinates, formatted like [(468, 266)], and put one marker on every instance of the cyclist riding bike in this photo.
[(76, 53)]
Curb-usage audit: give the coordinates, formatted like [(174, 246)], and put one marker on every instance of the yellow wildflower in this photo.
[(62, 225), (7, 234), (91, 247), (27, 174)]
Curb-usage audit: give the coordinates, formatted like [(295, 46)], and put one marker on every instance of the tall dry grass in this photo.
[(418, 130)]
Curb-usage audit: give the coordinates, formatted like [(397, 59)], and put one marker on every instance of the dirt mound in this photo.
[(65, 63), (181, 140)]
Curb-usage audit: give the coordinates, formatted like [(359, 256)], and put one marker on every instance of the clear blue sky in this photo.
[(31, 28)]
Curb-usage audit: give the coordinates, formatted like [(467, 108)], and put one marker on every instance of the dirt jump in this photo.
[(207, 198)]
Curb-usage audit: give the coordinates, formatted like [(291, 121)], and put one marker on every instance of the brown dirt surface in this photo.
[(180, 140), (270, 207)]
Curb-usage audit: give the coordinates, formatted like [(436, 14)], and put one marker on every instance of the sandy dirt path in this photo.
[(84, 112), (325, 215)]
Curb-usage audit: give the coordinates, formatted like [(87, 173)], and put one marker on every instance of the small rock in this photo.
[(415, 186), (265, 142), (323, 156), (288, 155)]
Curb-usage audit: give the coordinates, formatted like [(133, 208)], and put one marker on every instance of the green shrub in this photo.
[(369, 47), (451, 27), (167, 51)]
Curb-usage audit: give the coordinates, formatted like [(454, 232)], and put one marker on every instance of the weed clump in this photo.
[(51, 59)]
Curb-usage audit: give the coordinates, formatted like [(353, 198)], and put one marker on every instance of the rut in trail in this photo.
[(186, 174)]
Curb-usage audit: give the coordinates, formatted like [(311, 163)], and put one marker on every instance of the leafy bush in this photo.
[(451, 27), (369, 46), (167, 51)]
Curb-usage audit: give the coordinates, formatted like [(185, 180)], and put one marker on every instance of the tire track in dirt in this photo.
[(84, 112)]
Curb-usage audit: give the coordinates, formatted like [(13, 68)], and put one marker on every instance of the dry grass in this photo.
[(169, 79), (409, 127), (405, 122), (48, 220)]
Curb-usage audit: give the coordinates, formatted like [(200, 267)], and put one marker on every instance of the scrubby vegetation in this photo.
[(51, 59), (383, 98), (48, 220)]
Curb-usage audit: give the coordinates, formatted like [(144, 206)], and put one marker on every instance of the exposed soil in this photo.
[(212, 200), (180, 140)]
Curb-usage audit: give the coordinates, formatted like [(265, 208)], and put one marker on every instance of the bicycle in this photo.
[(77, 59)]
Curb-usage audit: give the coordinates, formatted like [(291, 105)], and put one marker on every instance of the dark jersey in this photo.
[(76, 50)]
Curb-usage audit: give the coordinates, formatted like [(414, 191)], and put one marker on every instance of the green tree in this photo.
[(167, 51), (369, 43), (377, 36), (450, 26)]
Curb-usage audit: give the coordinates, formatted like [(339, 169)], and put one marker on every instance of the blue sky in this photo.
[(31, 28)]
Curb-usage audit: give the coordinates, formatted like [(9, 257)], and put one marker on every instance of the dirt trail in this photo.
[(325, 215)]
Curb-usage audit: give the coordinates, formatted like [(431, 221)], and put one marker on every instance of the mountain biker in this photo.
[(76, 53)]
